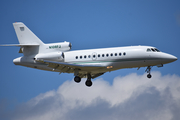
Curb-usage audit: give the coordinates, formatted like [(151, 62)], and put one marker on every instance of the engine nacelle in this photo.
[(54, 56), (62, 46)]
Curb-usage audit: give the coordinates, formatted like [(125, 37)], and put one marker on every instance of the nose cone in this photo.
[(170, 58)]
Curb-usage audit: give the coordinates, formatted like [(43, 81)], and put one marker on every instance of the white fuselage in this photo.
[(111, 58)]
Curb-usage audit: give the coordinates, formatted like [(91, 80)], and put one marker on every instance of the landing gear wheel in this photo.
[(77, 79), (149, 76), (88, 83)]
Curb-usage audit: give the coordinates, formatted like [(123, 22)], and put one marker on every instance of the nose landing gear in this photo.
[(148, 70), (149, 75)]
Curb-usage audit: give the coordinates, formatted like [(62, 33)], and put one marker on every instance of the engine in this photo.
[(62, 46), (53, 51), (54, 56)]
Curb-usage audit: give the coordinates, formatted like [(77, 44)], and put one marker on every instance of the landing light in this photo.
[(109, 67)]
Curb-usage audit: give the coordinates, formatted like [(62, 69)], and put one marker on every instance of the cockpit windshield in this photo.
[(153, 50)]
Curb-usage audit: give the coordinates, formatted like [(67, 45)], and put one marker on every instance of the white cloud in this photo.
[(129, 97)]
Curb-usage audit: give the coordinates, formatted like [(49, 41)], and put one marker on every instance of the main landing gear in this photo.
[(88, 82), (148, 70)]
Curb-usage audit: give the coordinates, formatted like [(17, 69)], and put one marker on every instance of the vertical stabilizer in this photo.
[(25, 35)]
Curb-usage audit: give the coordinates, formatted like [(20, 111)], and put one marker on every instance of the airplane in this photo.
[(90, 63)]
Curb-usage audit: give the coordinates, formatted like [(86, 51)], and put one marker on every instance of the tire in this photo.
[(149, 76), (88, 83), (77, 79)]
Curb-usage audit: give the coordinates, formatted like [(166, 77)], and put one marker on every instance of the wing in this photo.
[(62, 67)]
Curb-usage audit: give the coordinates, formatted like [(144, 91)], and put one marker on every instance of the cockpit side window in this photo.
[(157, 50), (148, 50)]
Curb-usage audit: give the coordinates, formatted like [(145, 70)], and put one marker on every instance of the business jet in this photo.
[(89, 63)]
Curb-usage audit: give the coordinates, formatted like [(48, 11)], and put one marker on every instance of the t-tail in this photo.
[(28, 41), (31, 46)]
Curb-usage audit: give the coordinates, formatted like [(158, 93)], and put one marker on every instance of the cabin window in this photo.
[(94, 56), (85, 56), (89, 56), (76, 57), (107, 55), (102, 55), (119, 54), (80, 57), (124, 53), (115, 54), (111, 54), (98, 55)]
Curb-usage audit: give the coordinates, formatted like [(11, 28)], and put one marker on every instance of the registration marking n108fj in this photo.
[(54, 46)]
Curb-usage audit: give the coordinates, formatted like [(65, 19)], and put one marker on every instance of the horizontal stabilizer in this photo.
[(20, 45)]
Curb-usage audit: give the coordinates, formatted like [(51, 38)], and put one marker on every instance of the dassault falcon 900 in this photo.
[(89, 63)]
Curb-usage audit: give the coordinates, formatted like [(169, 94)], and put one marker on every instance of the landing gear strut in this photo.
[(88, 81), (148, 70), (77, 78)]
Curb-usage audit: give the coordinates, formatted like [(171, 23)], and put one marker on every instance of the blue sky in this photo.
[(86, 24)]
